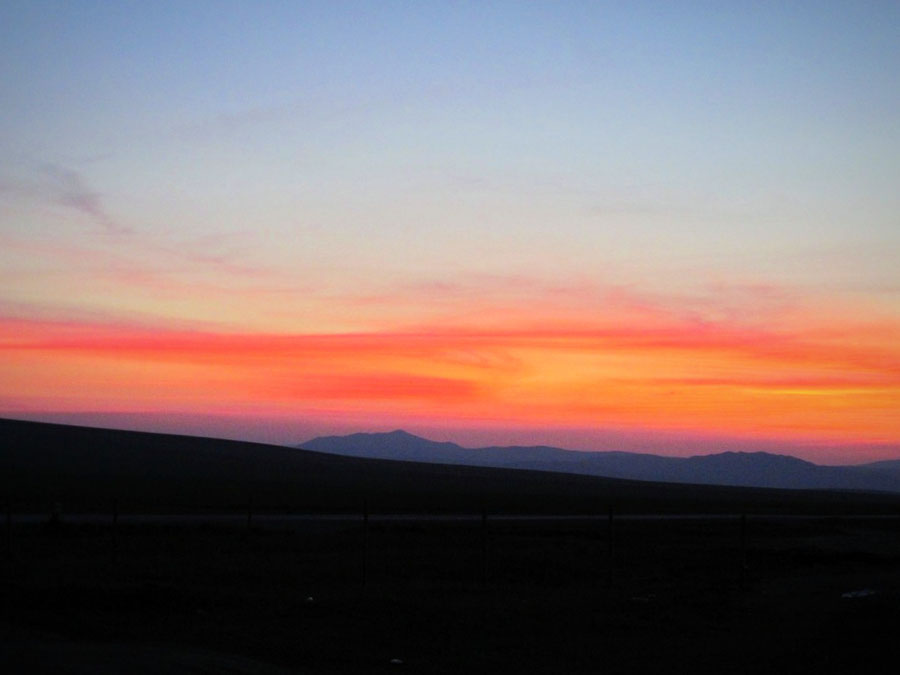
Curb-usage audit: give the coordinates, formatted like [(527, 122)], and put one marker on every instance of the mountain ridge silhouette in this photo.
[(739, 468)]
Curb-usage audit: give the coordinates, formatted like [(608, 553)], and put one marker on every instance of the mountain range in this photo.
[(748, 469)]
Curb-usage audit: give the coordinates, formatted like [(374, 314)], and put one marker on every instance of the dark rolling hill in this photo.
[(86, 468), (748, 469)]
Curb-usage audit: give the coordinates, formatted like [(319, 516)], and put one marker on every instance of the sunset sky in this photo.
[(666, 226)]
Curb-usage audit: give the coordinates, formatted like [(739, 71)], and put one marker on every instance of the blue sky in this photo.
[(340, 166)]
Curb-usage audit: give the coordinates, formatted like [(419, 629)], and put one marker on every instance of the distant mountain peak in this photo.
[(399, 433), (396, 444), (396, 434), (754, 456)]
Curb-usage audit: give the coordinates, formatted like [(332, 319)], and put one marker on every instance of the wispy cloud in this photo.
[(385, 387), (159, 265), (868, 353), (67, 187)]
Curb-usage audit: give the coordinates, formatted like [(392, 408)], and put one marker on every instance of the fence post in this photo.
[(484, 547), (610, 546), (743, 550), (114, 553), (9, 532), (365, 545)]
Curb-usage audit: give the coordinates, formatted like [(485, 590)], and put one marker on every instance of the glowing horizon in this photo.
[(810, 381)]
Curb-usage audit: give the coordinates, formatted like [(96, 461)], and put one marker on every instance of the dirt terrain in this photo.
[(691, 596)]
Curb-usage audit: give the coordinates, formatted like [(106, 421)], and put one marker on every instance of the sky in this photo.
[(671, 227)]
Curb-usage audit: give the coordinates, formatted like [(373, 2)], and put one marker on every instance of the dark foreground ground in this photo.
[(821, 595)]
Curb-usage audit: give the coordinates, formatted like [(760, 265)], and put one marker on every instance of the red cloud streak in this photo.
[(834, 383)]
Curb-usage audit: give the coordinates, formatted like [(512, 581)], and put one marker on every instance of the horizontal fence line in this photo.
[(240, 518)]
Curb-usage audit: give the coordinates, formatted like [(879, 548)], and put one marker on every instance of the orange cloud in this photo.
[(832, 381)]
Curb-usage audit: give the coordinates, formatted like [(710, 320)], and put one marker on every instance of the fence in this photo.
[(476, 549)]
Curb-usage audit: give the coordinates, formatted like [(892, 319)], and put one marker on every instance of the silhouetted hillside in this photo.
[(86, 468)]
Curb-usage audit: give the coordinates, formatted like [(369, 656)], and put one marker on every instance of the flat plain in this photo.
[(694, 596)]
